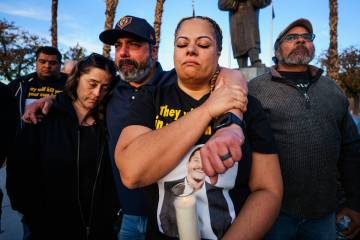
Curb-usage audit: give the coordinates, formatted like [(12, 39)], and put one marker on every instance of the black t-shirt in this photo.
[(43, 88), (217, 205), (300, 79)]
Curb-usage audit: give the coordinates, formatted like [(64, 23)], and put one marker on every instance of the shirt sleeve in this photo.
[(350, 162), (142, 110), (258, 130)]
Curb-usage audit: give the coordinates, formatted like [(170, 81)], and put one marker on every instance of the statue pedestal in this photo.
[(252, 72)]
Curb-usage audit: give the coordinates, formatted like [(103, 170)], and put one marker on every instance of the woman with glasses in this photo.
[(60, 177)]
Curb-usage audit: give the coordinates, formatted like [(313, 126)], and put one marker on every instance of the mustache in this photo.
[(123, 62), (300, 49)]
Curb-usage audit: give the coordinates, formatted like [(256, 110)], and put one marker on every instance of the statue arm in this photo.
[(260, 3), (228, 5)]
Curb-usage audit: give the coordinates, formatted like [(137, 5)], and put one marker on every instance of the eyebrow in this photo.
[(93, 80), (98, 81), (42, 59), (200, 37)]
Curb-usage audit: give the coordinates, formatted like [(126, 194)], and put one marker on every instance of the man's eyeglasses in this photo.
[(293, 37)]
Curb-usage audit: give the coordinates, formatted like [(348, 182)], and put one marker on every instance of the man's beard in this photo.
[(138, 72), (298, 56)]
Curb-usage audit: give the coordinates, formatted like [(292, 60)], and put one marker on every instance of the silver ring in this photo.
[(225, 156)]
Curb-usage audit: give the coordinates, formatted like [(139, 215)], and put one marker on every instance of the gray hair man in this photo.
[(316, 139)]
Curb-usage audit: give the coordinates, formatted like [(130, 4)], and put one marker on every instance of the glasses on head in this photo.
[(293, 37)]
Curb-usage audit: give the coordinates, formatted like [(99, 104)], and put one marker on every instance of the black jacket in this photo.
[(43, 178), (8, 121)]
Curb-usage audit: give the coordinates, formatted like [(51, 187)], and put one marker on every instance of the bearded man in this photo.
[(135, 51), (317, 141)]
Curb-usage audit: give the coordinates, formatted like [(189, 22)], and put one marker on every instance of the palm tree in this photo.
[(333, 70), (109, 21), (157, 20), (54, 7)]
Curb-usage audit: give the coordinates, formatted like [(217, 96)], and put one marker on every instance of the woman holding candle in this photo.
[(165, 123)]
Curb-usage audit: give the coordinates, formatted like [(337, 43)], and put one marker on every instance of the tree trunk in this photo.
[(333, 70), (157, 20), (54, 7), (109, 21)]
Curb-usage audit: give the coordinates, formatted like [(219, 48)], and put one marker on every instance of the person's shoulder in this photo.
[(5, 91), (253, 103), (254, 107), (266, 75), (147, 92), (260, 80), (158, 91), (161, 87), (7, 98), (28, 77), (167, 77), (62, 106), (63, 77), (24, 79), (330, 82), (329, 85)]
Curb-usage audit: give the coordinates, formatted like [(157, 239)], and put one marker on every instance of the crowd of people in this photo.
[(93, 151)]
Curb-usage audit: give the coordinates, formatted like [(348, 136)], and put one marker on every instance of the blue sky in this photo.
[(81, 21)]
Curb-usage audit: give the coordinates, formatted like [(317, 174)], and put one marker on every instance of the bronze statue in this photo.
[(244, 29)]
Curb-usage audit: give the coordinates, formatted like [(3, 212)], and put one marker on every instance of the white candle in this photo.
[(186, 217)]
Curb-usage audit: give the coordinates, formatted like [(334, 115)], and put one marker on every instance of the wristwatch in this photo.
[(226, 120)]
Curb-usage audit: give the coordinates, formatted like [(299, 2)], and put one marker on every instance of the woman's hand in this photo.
[(225, 97)]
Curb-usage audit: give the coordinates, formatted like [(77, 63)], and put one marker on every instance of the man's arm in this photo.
[(35, 111), (228, 5), (143, 156), (350, 177), (263, 204)]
